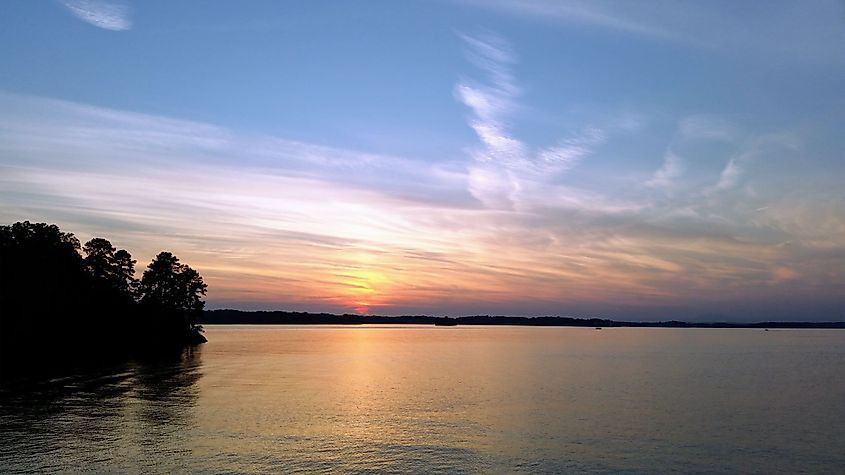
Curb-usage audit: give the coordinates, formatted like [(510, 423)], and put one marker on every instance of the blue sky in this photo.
[(624, 159)]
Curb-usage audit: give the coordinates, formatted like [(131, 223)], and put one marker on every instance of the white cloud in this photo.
[(569, 152), (805, 30), (506, 172), (672, 169), (273, 221), (707, 127), (730, 175), (107, 14), (696, 134), (756, 148), (589, 12), (66, 136)]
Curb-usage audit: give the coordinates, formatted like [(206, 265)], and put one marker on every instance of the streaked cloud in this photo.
[(730, 175), (672, 169), (629, 159), (803, 30), (707, 127), (512, 227), (721, 140), (107, 14), (604, 14), (506, 172), (265, 218)]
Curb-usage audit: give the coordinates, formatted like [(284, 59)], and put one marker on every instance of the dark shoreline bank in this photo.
[(234, 317)]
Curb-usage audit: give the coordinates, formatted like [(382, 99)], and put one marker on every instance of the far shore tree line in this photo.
[(59, 297)]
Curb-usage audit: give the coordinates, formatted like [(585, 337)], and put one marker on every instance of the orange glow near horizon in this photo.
[(274, 238), (500, 181), (430, 268)]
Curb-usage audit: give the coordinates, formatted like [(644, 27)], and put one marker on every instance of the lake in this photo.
[(413, 399)]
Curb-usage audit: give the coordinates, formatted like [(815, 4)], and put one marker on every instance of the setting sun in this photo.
[(366, 288)]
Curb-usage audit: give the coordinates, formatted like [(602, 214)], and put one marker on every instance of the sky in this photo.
[(636, 160)]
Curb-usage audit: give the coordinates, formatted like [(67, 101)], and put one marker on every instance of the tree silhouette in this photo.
[(41, 277), (111, 268), (173, 292), (56, 302)]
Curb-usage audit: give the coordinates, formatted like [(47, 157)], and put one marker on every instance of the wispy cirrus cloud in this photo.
[(506, 171), (266, 219), (756, 148), (799, 29), (672, 169), (602, 14), (694, 132), (707, 127), (107, 14), (512, 227)]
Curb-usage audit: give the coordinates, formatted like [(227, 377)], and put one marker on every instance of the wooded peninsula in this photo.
[(56, 301)]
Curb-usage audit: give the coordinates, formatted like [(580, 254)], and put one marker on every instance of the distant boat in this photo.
[(446, 322)]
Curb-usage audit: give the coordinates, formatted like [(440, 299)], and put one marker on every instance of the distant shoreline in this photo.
[(235, 317)]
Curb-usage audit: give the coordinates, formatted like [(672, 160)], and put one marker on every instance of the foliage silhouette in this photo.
[(110, 268), (54, 301), (172, 292)]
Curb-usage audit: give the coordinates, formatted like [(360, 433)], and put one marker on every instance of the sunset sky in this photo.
[(629, 160)]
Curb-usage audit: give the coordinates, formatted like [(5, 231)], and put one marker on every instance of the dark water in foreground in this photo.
[(465, 399)]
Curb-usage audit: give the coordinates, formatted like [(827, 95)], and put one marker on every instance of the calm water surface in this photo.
[(457, 399)]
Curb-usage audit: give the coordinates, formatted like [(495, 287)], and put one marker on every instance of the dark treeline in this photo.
[(60, 299), (304, 318)]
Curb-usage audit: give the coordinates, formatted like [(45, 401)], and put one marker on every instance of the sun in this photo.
[(367, 289)]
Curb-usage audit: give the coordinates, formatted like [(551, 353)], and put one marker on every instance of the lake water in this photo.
[(289, 399)]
